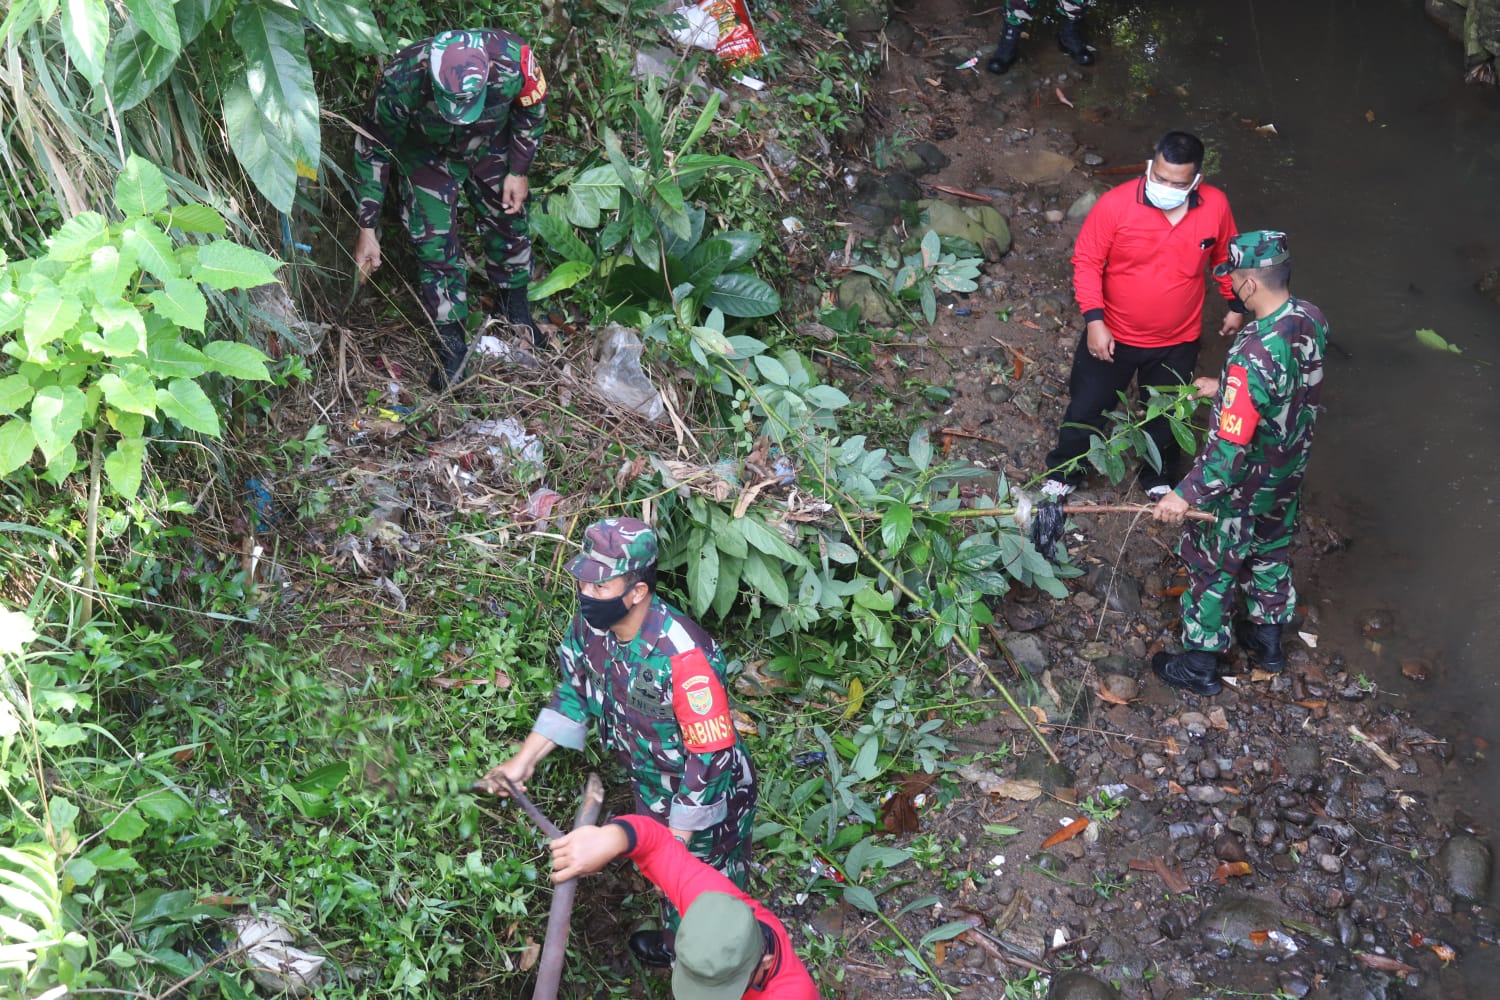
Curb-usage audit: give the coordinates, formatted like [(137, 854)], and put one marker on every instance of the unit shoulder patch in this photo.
[(700, 704), (1237, 416)]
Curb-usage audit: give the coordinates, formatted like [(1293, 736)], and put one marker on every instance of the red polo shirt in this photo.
[(1144, 276), (682, 878)]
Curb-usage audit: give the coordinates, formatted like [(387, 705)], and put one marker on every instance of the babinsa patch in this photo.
[(700, 703), (534, 84), (1237, 416)]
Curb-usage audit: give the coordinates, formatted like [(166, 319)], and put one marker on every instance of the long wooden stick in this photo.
[(555, 944)]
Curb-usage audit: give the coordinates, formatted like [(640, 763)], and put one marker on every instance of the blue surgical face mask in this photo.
[(1165, 196)]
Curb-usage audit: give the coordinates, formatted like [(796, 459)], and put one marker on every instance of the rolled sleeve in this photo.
[(560, 729)]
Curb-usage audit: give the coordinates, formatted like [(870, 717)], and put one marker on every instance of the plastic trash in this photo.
[(511, 439), (262, 503), (720, 26), (277, 967), (619, 377)]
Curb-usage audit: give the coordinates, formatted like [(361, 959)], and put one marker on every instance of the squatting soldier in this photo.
[(461, 111), (729, 946), (1249, 472), (1018, 13), (652, 682)]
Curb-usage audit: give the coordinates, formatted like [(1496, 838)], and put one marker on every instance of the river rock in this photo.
[(981, 225), (1028, 651), (1303, 758), (1082, 205), (1234, 918), (1120, 686), (924, 158), (1037, 166), (1464, 863), (899, 34), (860, 290), (865, 15), (1081, 986), (1036, 767)]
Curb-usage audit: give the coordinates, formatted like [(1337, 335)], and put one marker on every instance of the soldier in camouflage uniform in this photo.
[(652, 683), (1019, 13), (1249, 472), (459, 112)]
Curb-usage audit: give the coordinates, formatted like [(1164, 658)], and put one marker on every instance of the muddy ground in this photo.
[(1260, 846)]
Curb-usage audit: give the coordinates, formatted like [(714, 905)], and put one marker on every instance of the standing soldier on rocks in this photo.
[(1019, 13), (461, 111), (652, 683), (1249, 472)]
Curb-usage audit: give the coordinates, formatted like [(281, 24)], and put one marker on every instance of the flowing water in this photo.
[(1384, 169)]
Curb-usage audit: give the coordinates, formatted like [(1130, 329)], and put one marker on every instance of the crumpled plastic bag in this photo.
[(619, 377), (276, 966), (720, 26)]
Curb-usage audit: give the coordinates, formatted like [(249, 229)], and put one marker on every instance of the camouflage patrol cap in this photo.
[(1260, 248), (460, 75), (718, 946), (613, 548)]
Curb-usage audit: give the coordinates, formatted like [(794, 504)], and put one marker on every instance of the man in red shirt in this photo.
[(728, 947), (1139, 269)]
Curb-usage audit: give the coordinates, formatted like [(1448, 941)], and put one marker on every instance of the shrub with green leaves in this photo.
[(101, 332)]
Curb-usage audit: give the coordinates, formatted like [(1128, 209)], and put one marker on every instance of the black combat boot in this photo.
[(518, 314), (651, 949), (1194, 670), (1263, 643), (452, 351), (1005, 53), (1070, 40)]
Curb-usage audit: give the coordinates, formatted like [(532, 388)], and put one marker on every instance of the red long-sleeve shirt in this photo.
[(1144, 276), (683, 878)]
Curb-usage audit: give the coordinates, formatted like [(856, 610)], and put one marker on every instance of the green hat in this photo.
[(1261, 248), (613, 548), (718, 946), (460, 76)]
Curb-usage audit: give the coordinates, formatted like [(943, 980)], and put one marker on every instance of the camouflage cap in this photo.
[(613, 548), (1260, 248), (718, 947), (460, 76)]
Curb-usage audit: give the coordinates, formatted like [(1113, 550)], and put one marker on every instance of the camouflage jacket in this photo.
[(659, 704), (1263, 416), (403, 125)]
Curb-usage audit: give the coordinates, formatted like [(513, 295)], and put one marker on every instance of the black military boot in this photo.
[(518, 313), (1005, 53), (650, 948), (1070, 40), (1194, 670), (1263, 643), (452, 350)]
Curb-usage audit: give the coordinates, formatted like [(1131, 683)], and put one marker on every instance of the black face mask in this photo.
[(602, 612)]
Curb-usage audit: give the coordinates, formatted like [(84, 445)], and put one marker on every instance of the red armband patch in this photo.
[(533, 84), (1237, 417), (700, 704)]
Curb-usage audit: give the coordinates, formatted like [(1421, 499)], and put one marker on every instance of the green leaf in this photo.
[(12, 309), (867, 761), (689, 170), (81, 870), (826, 397), (122, 331), (345, 21), (895, 527), (85, 34), (182, 302), (56, 418), (193, 16), (111, 859), (742, 245), (17, 442), (260, 145), (194, 219), (110, 272), (135, 66), (703, 264), (679, 246), (702, 573), (15, 393), (728, 536), (772, 371), (769, 579), (122, 466), (185, 402), (596, 189), (132, 390), (241, 361), (673, 209), (625, 174), (742, 294), (279, 76), (77, 238), (1430, 338), (158, 20), (223, 264), (947, 932), (558, 234), (128, 424), (770, 542), (140, 189), (701, 126), (920, 449), (730, 569), (171, 357), (861, 898), (126, 826), (165, 806), (874, 600), (563, 276)]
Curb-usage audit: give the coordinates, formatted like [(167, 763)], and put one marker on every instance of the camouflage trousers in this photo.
[(1251, 553), (429, 207), (724, 846), (1021, 11)]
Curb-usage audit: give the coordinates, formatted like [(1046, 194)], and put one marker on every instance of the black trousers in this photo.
[(1094, 388)]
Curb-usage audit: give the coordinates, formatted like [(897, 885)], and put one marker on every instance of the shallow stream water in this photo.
[(1384, 170)]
